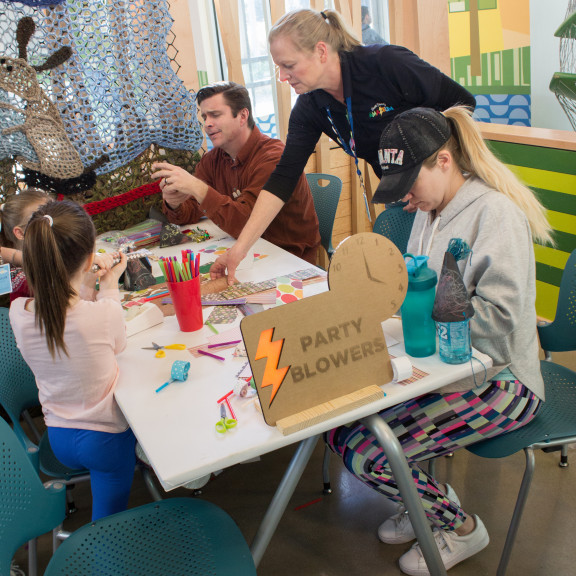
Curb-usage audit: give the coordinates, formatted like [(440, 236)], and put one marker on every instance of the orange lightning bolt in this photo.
[(273, 376)]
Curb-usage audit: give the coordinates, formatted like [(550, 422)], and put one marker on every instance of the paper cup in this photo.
[(187, 305)]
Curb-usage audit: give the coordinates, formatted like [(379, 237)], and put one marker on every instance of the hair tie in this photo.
[(49, 218), (323, 14)]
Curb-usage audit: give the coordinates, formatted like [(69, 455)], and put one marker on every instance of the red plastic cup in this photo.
[(187, 305)]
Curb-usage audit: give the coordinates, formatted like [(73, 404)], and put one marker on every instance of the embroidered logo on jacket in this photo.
[(380, 109)]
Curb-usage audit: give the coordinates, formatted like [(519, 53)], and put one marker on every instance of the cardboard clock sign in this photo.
[(309, 354)]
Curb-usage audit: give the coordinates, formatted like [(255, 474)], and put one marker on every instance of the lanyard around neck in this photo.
[(350, 148)]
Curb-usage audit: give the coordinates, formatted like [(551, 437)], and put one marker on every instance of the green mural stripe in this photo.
[(557, 201), (526, 56), (550, 159), (503, 72), (508, 68), (496, 89), (564, 242), (548, 274)]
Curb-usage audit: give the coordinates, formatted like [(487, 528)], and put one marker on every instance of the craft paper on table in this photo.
[(139, 318), (223, 315), (226, 336), (288, 290)]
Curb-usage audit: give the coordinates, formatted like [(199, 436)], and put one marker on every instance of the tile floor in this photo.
[(335, 535)]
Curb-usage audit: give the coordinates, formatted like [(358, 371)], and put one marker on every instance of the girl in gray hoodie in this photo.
[(441, 165)]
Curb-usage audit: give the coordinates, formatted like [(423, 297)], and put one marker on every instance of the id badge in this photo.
[(5, 282)]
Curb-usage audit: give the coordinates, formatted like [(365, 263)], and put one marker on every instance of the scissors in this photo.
[(224, 423), (160, 349)]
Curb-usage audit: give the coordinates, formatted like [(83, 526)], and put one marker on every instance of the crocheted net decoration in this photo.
[(42, 126), (118, 93)]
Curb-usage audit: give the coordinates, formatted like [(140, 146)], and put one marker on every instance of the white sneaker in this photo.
[(15, 570), (453, 549), (398, 528)]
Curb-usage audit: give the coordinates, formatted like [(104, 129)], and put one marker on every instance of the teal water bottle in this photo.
[(417, 324)]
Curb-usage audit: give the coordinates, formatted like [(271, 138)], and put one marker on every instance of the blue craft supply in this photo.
[(179, 372)]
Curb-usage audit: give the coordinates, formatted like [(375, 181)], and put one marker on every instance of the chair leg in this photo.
[(326, 471), (149, 481), (33, 557), (564, 457), (70, 504), (518, 510)]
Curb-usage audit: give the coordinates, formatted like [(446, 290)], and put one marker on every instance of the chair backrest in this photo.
[(326, 198), (27, 508), (396, 224), (18, 390), (173, 536), (560, 335)]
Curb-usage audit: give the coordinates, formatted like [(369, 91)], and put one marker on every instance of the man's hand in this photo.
[(228, 261), (177, 184)]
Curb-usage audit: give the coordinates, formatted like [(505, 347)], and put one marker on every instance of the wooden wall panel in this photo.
[(229, 23), (184, 43)]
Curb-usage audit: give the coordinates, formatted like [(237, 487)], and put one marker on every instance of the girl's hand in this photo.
[(109, 277), (104, 261)]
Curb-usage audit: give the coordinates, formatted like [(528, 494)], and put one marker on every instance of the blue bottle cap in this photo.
[(420, 277)]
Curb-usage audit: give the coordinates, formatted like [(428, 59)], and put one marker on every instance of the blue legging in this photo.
[(110, 458), (429, 426)]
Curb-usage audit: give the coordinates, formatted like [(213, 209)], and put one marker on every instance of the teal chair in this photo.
[(18, 393), (27, 507), (326, 198), (176, 536), (395, 224), (554, 427)]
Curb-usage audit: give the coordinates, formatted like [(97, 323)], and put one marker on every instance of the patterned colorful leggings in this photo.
[(429, 426)]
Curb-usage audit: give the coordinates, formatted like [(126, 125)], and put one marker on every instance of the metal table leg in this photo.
[(282, 497), (403, 476)]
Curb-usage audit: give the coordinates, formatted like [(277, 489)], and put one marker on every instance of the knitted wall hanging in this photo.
[(40, 141), (117, 94)]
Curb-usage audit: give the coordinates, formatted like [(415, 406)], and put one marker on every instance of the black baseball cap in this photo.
[(409, 139)]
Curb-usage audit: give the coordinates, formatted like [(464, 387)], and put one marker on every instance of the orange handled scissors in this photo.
[(160, 349)]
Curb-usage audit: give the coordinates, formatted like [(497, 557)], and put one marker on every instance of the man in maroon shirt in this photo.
[(228, 178)]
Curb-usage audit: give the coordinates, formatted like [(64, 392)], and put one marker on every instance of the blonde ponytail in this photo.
[(473, 156)]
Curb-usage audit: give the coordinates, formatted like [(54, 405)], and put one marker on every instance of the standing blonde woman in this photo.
[(441, 165), (345, 90)]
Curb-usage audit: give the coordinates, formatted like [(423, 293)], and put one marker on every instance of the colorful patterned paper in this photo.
[(288, 290)]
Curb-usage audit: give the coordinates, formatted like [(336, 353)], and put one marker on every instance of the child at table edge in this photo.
[(14, 215), (69, 335)]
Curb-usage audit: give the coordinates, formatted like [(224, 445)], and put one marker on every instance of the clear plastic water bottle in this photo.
[(454, 345), (417, 324)]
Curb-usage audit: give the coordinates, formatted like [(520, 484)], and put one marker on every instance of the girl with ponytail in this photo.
[(69, 334)]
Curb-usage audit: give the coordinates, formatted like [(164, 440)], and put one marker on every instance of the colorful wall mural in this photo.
[(490, 55)]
